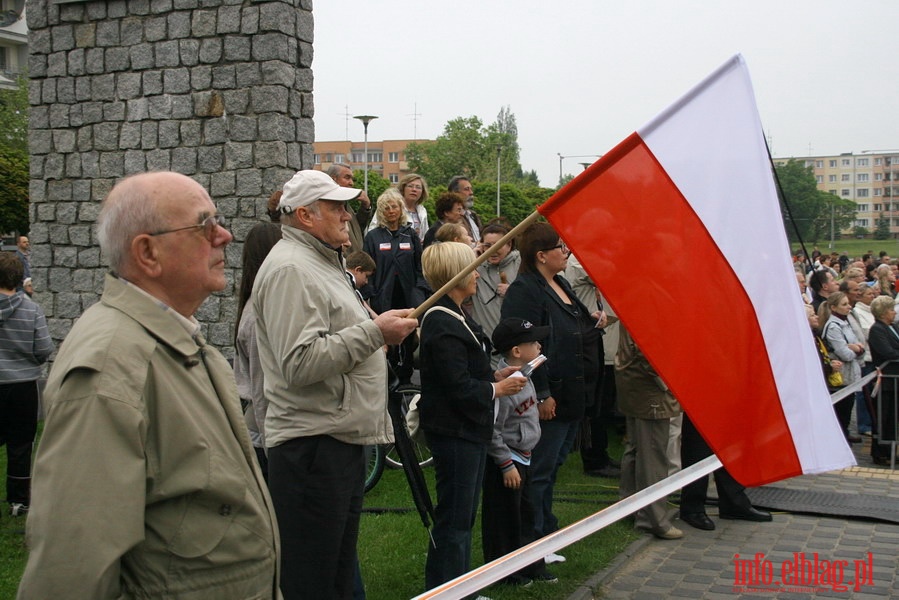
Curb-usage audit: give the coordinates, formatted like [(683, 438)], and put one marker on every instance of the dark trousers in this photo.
[(316, 485), (843, 411), (595, 449), (18, 426), (507, 516), (731, 495), (459, 469), (556, 440)]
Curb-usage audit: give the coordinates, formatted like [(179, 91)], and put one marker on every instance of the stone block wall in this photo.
[(220, 90)]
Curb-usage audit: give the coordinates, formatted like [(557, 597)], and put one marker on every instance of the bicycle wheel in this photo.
[(374, 465), (391, 457)]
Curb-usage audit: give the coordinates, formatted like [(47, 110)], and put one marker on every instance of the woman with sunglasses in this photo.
[(566, 384)]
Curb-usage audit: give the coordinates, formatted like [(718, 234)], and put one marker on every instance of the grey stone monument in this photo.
[(220, 90)]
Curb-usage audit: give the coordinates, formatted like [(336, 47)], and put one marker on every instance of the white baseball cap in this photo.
[(306, 187)]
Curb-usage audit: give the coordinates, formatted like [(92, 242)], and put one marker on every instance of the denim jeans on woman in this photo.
[(459, 467), (556, 440)]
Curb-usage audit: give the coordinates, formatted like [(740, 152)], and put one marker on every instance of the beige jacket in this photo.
[(145, 483)]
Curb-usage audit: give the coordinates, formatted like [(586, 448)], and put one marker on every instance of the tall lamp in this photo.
[(499, 150), (366, 119)]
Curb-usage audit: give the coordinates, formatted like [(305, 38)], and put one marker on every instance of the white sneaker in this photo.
[(553, 558)]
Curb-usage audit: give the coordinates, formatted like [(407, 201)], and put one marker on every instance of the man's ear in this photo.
[(145, 256), (303, 216)]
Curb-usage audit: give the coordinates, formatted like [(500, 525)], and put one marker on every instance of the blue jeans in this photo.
[(556, 440), (459, 467)]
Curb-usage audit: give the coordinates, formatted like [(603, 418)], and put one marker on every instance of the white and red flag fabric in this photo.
[(680, 227)]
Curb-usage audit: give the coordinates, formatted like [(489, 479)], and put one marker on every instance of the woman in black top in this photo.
[(397, 281), (458, 389), (566, 384)]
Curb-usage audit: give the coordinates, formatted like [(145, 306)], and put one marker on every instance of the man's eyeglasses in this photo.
[(561, 246), (209, 226)]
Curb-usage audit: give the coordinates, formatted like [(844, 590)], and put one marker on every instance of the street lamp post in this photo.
[(366, 119), (559, 154), (499, 149)]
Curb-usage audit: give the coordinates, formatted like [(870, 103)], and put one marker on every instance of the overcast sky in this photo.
[(581, 75)]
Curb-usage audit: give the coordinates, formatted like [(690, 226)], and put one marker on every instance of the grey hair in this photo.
[(880, 305), (334, 170), (453, 185), (128, 211)]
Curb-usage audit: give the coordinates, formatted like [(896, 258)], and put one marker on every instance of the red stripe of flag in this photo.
[(656, 263)]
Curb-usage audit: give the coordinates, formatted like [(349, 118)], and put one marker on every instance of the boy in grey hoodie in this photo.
[(507, 519)]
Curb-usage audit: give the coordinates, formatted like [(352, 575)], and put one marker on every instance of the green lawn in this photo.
[(853, 247), (393, 542)]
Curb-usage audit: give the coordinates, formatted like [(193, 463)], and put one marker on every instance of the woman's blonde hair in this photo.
[(450, 232), (390, 195), (441, 262)]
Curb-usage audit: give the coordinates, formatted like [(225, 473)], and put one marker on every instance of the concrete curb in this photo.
[(588, 589)]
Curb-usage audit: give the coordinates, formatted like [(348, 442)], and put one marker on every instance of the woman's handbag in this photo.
[(835, 379)]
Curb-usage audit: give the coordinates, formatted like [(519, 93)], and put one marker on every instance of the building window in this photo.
[(847, 162), (358, 157), (394, 178), (878, 192), (317, 159), (845, 177), (844, 193), (375, 157), (819, 164), (878, 162), (832, 178), (393, 157), (862, 162), (878, 207), (339, 158), (819, 178), (863, 177), (834, 192), (833, 164), (862, 208), (878, 176), (861, 193)]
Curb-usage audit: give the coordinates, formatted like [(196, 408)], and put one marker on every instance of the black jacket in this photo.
[(456, 377), (573, 347), (397, 256)]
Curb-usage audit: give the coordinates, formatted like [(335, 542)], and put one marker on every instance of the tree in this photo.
[(13, 191), (14, 158), (882, 230), (376, 185), (467, 147), (812, 210), (14, 117)]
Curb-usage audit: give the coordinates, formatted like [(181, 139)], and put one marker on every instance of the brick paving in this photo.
[(703, 563)]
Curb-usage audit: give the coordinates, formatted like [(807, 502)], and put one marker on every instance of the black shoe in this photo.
[(518, 581), (606, 471), (698, 520), (546, 577), (853, 439), (750, 514)]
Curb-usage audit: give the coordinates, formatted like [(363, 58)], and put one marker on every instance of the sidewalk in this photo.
[(702, 564)]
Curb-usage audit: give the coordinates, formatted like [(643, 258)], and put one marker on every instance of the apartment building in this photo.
[(387, 158), (869, 178), (13, 42)]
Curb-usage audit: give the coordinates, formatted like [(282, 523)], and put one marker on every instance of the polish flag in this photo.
[(680, 227)]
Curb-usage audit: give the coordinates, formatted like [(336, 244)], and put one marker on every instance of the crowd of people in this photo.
[(206, 482), (850, 308)]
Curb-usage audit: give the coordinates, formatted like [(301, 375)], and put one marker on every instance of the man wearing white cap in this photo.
[(326, 383)]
